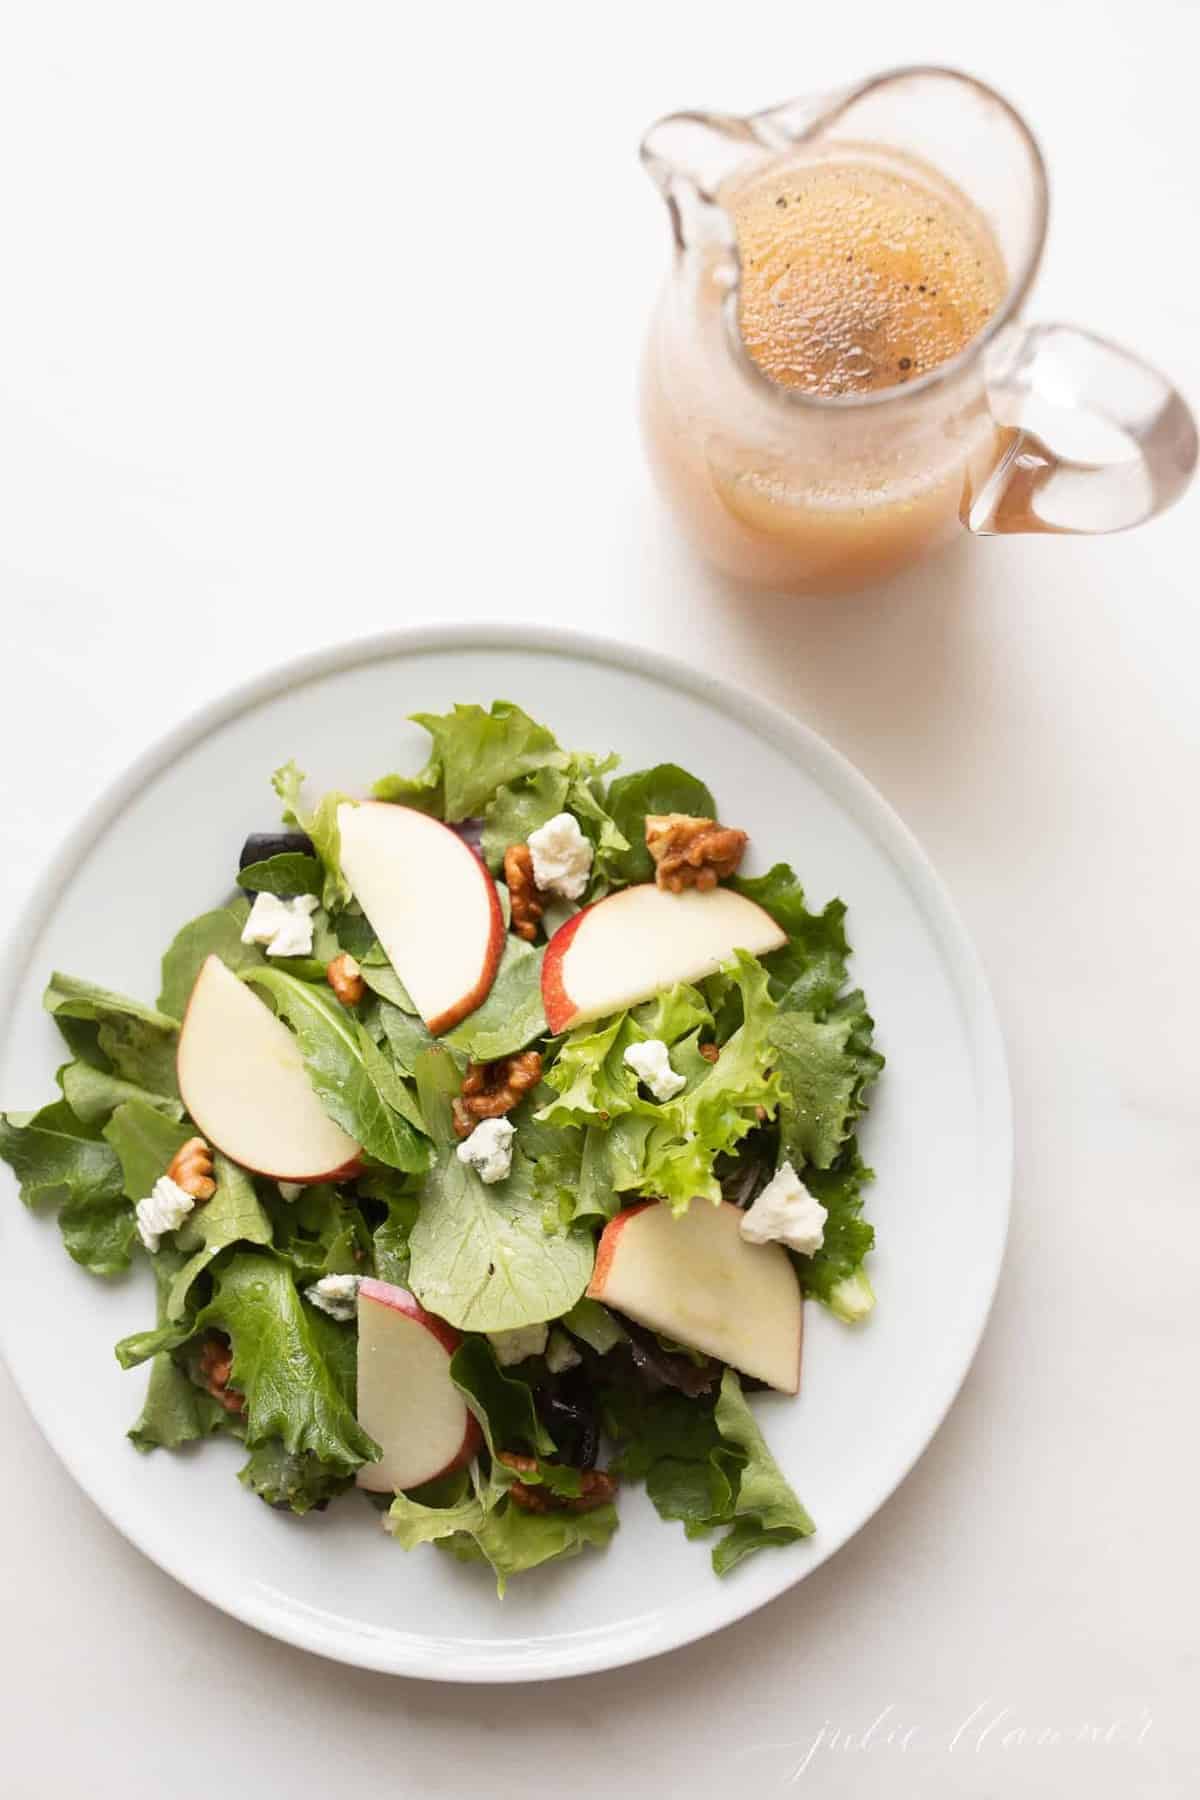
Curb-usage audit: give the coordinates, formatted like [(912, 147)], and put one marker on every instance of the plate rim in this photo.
[(869, 809)]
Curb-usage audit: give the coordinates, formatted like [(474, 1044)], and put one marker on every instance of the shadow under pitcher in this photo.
[(837, 376)]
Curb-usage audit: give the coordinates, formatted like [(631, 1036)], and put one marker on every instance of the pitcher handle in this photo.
[(1030, 488)]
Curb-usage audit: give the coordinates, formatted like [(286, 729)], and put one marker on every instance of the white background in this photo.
[(316, 320)]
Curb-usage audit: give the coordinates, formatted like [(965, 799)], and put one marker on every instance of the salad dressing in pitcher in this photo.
[(835, 376), (857, 274)]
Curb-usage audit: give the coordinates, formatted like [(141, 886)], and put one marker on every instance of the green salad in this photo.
[(484, 1140)]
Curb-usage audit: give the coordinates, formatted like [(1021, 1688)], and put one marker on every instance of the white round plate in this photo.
[(163, 845)]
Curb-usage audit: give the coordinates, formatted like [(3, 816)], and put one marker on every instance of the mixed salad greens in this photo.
[(771, 1059)]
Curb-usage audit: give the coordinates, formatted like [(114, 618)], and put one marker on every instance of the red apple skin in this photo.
[(455, 1014), (606, 1248), (347, 1172), (383, 1293), (557, 1004), (400, 1300)]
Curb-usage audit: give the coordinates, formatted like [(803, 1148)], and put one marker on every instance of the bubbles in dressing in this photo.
[(856, 277)]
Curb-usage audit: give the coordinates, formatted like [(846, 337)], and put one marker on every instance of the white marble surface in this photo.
[(319, 320)]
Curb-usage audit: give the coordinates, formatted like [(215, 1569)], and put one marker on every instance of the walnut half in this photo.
[(692, 852), (191, 1168), (490, 1090), (527, 899), (596, 1488), (216, 1363)]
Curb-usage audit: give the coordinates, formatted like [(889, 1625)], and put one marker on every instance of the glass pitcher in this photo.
[(799, 493)]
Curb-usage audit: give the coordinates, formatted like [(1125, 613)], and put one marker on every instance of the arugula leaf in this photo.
[(355, 1084), (321, 826), (292, 1481), (825, 1065), (474, 753), (664, 789), (383, 980), (520, 807), (138, 1042), (217, 933), (175, 1411), (481, 1257), (290, 873), (407, 1036), (356, 934), (61, 1162), (144, 1142), (93, 1095), (511, 1016), (284, 1363), (232, 1216)]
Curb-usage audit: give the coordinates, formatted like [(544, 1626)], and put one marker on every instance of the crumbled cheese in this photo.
[(561, 1353), (786, 1213), (514, 1346), (651, 1064), (336, 1295), (284, 926), (290, 1190), (562, 856), (165, 1208), (488, 1150)]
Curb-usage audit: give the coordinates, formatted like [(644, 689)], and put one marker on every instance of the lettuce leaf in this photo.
[(815, 955), (354, 1081), (666, 1149), (826, 1065), (286, 1362), (93, 1095), (138, 1042), (232, 1216), (175, 1410), (474, 753), (520, 807), (290, 873), (511, 1016), (706, 1467), (292, 1481), (144, 1141), (664, 789), (321, 1232), (481, 1256), (321, 826), (835, 1274), (478, 1522), (59, 1161), (216, 933)]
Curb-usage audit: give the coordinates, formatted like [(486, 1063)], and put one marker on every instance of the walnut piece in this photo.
[(527, 898), (692, 852), (345, 977), (191, 1168), (489, 1090), (216, 1362), (596, 1488), (710, 1052)]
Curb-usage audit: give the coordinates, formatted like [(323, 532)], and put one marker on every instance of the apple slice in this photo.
[(697, 1280), (431, 902), (635, 943), (406, 1399), (243, 1080)]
